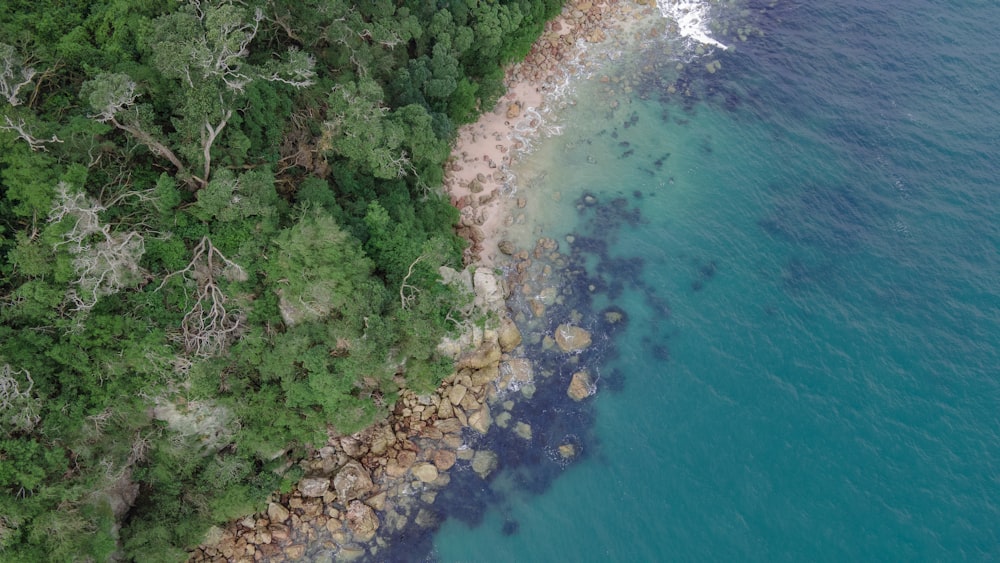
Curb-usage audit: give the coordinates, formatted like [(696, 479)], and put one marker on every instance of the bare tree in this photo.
[(208, 328), (105, 261), (18, 406), (14, 74), (22, 131)]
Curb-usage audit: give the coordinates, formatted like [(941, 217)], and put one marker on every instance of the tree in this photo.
[(104, 261), (14, 74), (208, 328)]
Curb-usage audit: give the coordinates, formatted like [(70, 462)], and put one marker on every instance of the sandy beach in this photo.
[(478, 178)]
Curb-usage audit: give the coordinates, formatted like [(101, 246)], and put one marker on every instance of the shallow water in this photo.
[(806, 249)]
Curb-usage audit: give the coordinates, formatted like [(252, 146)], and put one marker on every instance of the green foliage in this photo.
[(301, 147)]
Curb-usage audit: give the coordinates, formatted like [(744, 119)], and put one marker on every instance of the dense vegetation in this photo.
[(220, 229)]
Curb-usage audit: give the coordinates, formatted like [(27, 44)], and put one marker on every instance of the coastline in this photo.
[(479, 178), (362, 491)]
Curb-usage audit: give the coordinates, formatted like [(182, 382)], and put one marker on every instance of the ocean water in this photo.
[(804, 243)]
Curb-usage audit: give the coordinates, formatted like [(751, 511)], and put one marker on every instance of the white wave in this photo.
[(692, 20)]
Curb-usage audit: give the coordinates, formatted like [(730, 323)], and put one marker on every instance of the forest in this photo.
[(221, 224)]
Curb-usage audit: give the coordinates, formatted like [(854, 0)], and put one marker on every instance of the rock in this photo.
[(567, 451), (361, 520), (481, 420), (353, 447), (514, 110), (484, 462), (508, 336), (295, 552), (445, 410), (502, 419), (333, 525), (571, 338), (425, 518), (485, 375), (485, 355), (352, 481), (506, 247), (444, 459), (377, 502), (457, 393), (581, 386), (489, 294), (426, 472), (382, 440), (350, 553), (523, 430), (520, 370), (277, 513), (314, 486)]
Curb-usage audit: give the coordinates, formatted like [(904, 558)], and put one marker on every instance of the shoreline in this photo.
[(362, 492), (478, 177)]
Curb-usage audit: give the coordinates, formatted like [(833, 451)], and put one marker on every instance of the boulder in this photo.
[(485, 355), (426, 472), (571, 338), (514, 110), (314, 486), (520, 370), (457, 393), (567, 451), (581, 386), (276, 513), (484, 462), (352, 481), (509, 336), (295, 552), (361, 520), (382, 440), (481, 420), (523, 430), (444, 459), (485, 375), (507, 247)]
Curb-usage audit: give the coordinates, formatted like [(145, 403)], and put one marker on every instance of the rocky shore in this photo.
[(361, 492)]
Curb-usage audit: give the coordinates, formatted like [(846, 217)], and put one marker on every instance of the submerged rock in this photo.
[(484, 462), (425, 472)]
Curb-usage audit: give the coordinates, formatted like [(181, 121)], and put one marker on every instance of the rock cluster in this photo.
[(363, 488)]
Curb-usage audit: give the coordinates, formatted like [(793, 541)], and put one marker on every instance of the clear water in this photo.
[(811, 365)]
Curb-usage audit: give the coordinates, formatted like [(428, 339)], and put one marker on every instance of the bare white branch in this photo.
[(14, 75), (21, 129), (105, 261), (18, 407), (208, 328)]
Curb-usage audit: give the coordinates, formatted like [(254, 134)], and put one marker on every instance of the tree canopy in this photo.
[(220, 230)]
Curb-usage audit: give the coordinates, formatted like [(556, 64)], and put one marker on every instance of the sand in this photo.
[(478, 178)]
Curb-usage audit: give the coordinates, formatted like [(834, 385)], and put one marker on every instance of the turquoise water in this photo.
[(808, 252)]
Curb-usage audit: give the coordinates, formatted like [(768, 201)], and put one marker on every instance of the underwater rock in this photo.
[(426, 472), (484, 462)]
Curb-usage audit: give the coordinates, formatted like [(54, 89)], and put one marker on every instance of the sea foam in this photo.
[(692, 20)]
